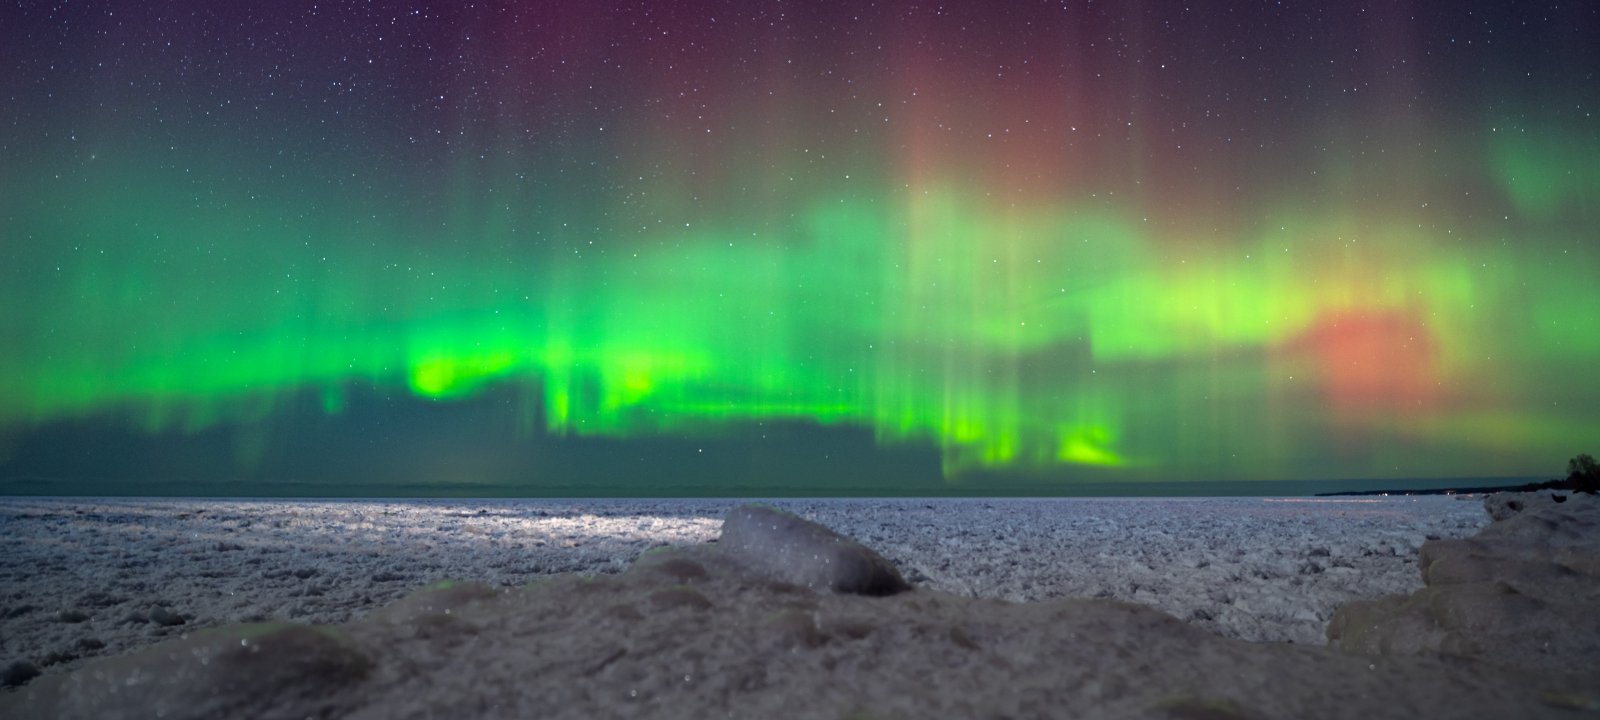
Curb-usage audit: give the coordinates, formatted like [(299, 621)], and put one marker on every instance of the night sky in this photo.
[(859, 245)]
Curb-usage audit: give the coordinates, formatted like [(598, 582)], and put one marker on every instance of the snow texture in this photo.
[(84, 578), (700, 631)]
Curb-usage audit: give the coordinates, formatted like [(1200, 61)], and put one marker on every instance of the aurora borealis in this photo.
[(1067, 240)]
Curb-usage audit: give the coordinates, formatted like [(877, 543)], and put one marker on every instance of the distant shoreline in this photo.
[(1567, 485), (992, 486)]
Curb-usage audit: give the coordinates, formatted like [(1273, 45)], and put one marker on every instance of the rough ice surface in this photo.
[(1522, 593), (698, 632), (139, 571)]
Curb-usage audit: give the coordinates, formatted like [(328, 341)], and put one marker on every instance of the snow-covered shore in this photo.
[(84, 578)]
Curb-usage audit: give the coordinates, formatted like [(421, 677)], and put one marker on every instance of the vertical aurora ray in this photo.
[(1057, 242)]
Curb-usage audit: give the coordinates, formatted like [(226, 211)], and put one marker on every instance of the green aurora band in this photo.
[(1366, 315), (1064, 336)]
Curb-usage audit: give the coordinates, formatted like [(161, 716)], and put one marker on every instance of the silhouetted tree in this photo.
[(1583, 473)]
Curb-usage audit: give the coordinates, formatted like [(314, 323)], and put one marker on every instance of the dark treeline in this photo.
[(1583, 475)]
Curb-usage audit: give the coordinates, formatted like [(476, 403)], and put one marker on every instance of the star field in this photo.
[(1062, 240)]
